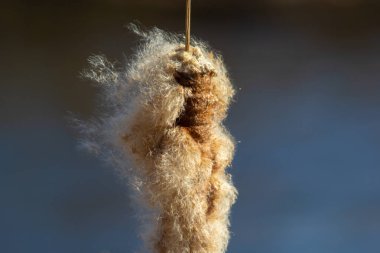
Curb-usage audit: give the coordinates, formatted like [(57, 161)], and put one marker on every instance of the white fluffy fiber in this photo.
[(161, 128)]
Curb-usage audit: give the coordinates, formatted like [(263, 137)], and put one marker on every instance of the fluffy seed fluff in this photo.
[(162, 129)]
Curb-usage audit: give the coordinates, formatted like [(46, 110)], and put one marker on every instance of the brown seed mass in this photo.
[(166, 119)]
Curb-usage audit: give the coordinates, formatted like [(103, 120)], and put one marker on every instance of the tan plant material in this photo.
[(163, 131)]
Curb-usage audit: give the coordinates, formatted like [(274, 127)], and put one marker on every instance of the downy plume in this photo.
[(161, 128)]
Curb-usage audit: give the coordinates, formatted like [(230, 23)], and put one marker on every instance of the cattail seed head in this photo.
[(163, 131)]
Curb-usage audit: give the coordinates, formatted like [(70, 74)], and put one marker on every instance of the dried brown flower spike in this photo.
[(166, 118)]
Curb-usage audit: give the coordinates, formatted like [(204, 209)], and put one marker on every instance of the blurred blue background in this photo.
[(306, 116)]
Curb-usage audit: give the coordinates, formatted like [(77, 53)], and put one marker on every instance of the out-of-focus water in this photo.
[(306, 118)]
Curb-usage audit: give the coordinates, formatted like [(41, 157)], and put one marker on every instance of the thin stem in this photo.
[(188, 24)]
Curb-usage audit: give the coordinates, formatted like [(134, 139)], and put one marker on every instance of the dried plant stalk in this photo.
[(165, 115)]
